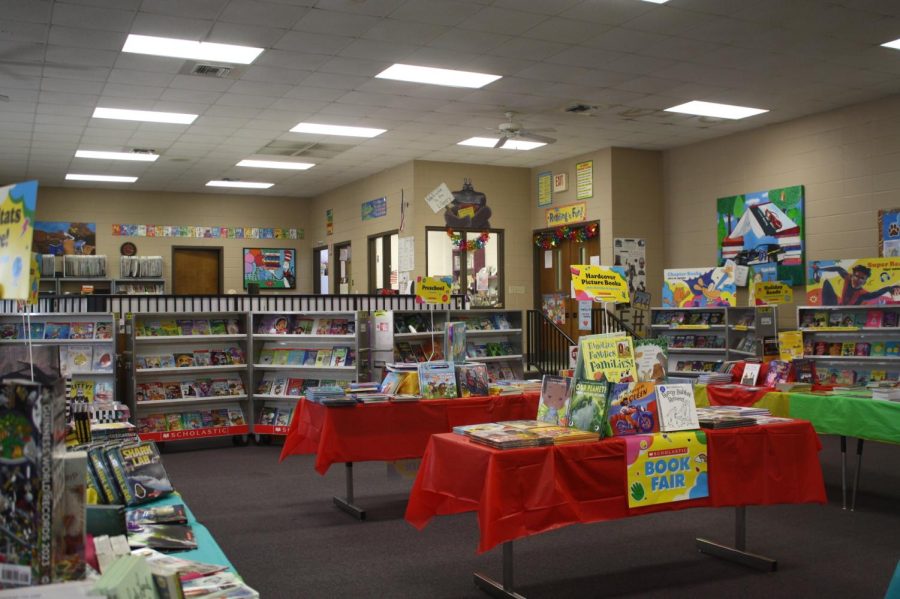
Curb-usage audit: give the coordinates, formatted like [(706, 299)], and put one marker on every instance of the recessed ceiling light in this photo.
[(490, 142), (175, 48), (721, 111), (894, 44), (141, 157), (295, 166), (244, 184), (435, 76), (150, 116), (657, 1), (337, 130), (105, 178)]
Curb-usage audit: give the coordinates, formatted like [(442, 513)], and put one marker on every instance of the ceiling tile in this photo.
[(555, 29), (312, 43), (439, 12), (333, 22), (410, 32), (251, 12), (87, 38), (501, 20), (32, 11), (197, 9), (105, 18), (172, 26)]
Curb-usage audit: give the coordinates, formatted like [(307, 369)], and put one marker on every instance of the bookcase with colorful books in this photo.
[(293, 351), (495, 338), (86, 342), (851, 345), (190, 375)]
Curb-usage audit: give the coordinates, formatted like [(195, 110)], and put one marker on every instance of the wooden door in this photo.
[(196, 271), (554, 281)]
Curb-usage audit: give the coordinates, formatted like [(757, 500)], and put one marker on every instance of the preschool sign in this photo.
[(591, 282), (666, 467), (566, 215), (433, 290)]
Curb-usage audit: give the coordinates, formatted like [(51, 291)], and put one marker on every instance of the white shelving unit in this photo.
[(851, 344), (171, 402), (286, 364)]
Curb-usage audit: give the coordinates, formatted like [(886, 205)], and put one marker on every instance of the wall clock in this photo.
[(128, 249)]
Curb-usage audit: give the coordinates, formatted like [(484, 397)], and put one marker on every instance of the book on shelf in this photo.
[(651, 359), (677, 410), (172, 390), (56, 330), (554, 402), (78, 358), (169, 537), (192, 420), (633, 409), (273, 325), (303, 325), (750, 374), (218, 326), (184, 359), (267, 415), (889, 319), (778, 372)]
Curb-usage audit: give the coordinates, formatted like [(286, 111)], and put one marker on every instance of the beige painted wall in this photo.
[(848, 159), (106, 207)]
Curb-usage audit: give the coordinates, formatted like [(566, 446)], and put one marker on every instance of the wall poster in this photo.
[(584, 180), (270, 268), (699, 287), (889, 233), (17, 206), (60, 238), (853, 282), (545, 188)]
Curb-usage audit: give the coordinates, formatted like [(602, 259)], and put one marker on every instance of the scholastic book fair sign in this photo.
[(599, 283), (866, 281), (17, 206), (666, 467), (433, 290)]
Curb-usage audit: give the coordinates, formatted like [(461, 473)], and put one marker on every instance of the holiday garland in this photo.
[(469, 245), (551, 239)]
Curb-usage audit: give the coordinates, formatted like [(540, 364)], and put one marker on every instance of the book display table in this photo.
[(389, 431), (860, 417), (522, 492)]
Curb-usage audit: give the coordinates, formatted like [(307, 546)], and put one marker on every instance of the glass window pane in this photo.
[(395, 260), (482, 276), (379, 264), (443, 260)]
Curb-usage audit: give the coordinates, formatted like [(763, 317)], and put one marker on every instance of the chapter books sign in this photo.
[(599, 283), (699, 287), (270, 268), (763, 227), (666, 468), (17, 205), (853, 282)]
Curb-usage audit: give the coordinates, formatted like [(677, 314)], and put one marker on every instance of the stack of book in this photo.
[(886, 392), (717, 417), (329, 396), (714, 378), (163, 528), (514, 434)]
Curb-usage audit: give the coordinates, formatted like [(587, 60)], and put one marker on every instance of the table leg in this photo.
[(843, 472), (494, 588), (346, 503), (859, 450), (738, 553)]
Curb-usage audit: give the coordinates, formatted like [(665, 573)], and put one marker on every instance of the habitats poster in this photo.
[(866, 281), (699, 287), (60, 238), (763, 227), (270, 268), (17, 206)]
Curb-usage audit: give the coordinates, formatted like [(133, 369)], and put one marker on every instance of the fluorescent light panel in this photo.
[(104, 178), (894, 44), (244, 184), (321, 129), (721, 111), (175, 48), (657, 1), (139, 157), (150, 116), (511, 144), (435, 76), (294, 166)]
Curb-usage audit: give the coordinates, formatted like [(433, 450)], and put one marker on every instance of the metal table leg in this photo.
[(494, 588), (346, 503), (738, 553), (859, 450), (843, 472)]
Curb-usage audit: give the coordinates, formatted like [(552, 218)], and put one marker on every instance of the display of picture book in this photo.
[(176, 327), (302, 324), (276, 416), (231, 355), (192, 424), (513, 434), (676, 318), (419, 351), (193, 388), (13, 328), (272, 354)]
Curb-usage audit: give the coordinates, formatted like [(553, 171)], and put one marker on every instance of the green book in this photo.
[(589, 405)]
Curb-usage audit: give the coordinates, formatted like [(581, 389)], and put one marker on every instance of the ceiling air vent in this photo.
[(210, 70)]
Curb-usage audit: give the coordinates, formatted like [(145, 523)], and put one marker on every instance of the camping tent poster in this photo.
[(867, 281), (17, 206), (270, 268), (699, 287), (763, 227)]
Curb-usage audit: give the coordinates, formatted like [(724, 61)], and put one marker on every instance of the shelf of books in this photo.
[(851, 345), (190, 375), (701, 339), (138, 286), (293, 351), (87, 347)]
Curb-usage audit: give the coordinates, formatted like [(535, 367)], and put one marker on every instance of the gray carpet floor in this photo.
[(276, 523)]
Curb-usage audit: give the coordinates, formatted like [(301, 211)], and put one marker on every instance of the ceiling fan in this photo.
[(511, 130)]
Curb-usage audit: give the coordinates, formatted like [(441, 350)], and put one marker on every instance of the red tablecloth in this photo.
[(391, 431), (521, 492), (735, 395)]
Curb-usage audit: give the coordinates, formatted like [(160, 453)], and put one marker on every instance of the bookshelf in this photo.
[(851, 345), (700, 339), (86, 342), (138, 286), (190, 375), (292, 351)]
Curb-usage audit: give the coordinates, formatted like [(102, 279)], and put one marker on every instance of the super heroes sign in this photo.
[(433, 290), (599, 283), (666, 467)]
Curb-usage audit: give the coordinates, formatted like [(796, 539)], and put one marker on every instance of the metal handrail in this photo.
[(547, 346)]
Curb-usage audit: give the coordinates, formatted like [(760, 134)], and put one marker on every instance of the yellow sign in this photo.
[(584, 180), (664, 468), (607, 356), (467, 211), (34, 281), (566, 215), (433, 290), (770, 293), (17, 206), (790, 345), (599, 283), (545, 186)]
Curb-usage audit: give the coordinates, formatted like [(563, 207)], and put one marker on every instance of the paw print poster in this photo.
[(889, 233)]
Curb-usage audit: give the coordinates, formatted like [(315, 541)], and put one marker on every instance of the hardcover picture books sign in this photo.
[(17, 206), (666, 468), (433, 290), (599, 283), (853, 282), (270, 268), (763, 227), (699, 287)]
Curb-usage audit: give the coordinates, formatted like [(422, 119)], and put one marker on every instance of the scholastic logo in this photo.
[(665, 452)]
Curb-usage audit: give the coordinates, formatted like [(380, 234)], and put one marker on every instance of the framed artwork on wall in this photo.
[(270, 268), (889, 232)]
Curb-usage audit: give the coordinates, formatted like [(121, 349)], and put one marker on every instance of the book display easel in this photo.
[(701, 339), (293, 351), (190, 375)]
